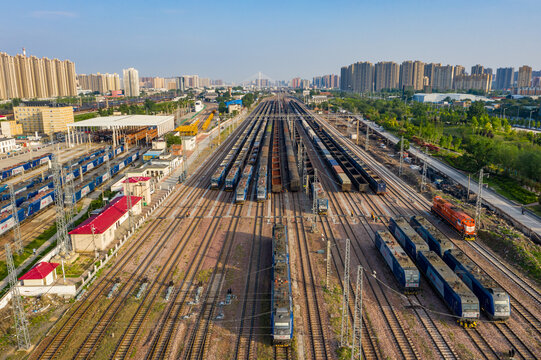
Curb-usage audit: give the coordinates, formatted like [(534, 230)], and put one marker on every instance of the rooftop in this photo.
[(99, 223), (136, 179), (124, 120), (40, 271)]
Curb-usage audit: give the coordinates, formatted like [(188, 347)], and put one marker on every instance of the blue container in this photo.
[(404, 270), (407, 237), (433, 237), (494, 301), (455, 294)]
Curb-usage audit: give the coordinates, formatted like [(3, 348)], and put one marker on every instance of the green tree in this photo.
[(476, 109), (149, 105), (480, 152), (222, 108), (248, 100), (406, 145)]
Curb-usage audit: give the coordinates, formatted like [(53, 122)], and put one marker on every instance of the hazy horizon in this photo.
[(281, 39)]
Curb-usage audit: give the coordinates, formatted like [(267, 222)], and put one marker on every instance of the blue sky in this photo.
[(283, 39)]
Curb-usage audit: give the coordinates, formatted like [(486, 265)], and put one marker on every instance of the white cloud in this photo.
[(47, 14)]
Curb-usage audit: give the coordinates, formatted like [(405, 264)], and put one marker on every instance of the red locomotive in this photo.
[(458, 219)]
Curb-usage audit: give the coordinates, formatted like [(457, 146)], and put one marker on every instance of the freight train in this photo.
[(377, 184), (244, 185), (458, 297), (294, 178), (25, 166), (281, 296), (45, 195), (436, 241), (458, 219), (29, 189), (262, 176), (494, 301), (404, 270), (343, 180), (407, 237)]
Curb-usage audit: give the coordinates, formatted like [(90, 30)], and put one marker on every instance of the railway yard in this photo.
[(233, 264)]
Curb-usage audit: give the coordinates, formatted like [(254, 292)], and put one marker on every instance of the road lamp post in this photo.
[(530, 121)]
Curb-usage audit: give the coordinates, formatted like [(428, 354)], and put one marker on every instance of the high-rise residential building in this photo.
[(406, 74), (326, 82), (346, 78), (43, 119), (131, 82), (524, 76), (191, 81), (296, 83), (429, 71), (443, 77), (481, 82), (158, 83), (31, 77), (504, 78), (477, 69), (412, 74), (363, 79), (102, 83), (459, 70), (305, 84), (386, 75), (488, 71)]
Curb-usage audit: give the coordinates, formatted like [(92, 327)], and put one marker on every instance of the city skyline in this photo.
[(418, 30)]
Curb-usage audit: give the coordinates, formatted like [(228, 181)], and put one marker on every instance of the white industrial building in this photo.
[(437, 97), (163, 123), (7, 145)]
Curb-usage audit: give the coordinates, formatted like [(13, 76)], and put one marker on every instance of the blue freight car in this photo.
[(218, 177), (281, 295), (493, 299), (404, 270), (433, 237), (458, 297), (407, 237)]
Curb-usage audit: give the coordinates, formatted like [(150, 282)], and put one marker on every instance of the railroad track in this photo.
[(58, 341), (158, 285), (245, 347), (315, 321), (282, 353), (395, 327), (408, 201), (198, 341)]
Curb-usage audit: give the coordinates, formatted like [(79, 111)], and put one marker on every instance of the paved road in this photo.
[(489, 196)]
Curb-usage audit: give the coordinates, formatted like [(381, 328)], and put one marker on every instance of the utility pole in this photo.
[(17, 239), (367, 134), (128, 201), (314, 205), (357, 139), (70, 197), (328, 273), (62, 237), (401, 155), (423, 180), (479, 201), (21, 325), (345, 300), (357, 346)]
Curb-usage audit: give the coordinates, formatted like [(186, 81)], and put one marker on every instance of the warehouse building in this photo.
[(98, 231), (120, 123)]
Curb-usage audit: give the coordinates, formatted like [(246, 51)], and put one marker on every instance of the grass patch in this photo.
[(518, 251), (511, 189), (81, 117), (203, 276), (78, 267)]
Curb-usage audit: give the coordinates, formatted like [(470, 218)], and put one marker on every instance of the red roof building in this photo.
[(98, 231), (43, 273), (136, 179)]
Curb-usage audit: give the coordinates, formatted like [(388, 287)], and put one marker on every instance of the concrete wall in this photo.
[(62, 290)]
